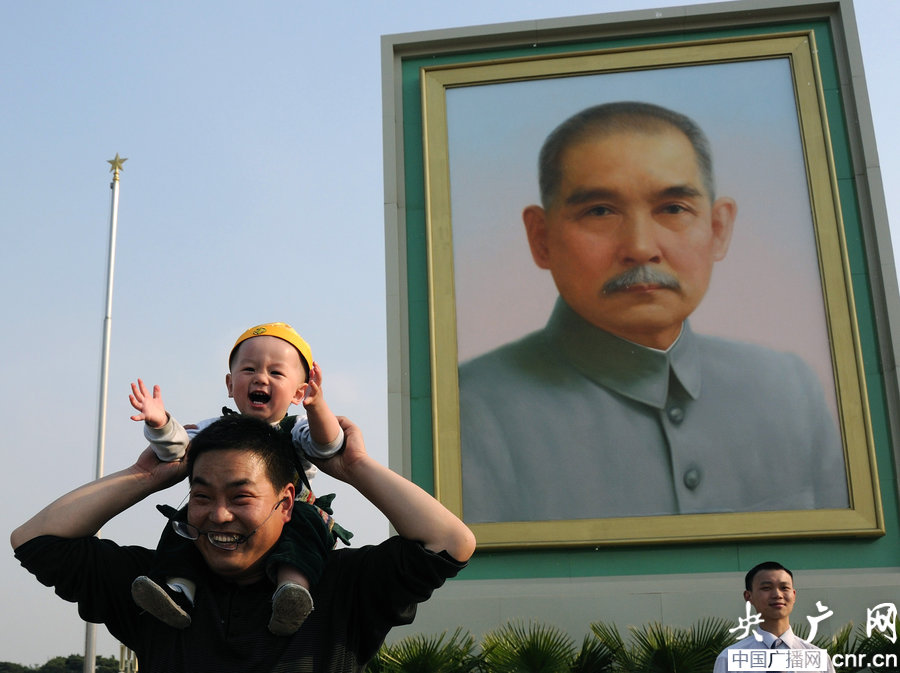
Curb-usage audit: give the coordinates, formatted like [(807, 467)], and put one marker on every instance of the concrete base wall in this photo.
[(677, 600)]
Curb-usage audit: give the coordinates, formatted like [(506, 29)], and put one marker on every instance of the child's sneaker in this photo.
[(291, 605), (161, 603)]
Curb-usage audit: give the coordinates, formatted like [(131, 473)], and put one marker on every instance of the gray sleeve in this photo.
[(169, 442), (306, 447)]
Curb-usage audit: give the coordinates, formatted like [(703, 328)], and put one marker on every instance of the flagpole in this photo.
[(90, 633)]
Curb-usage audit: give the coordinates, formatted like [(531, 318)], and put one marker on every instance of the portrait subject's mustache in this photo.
[(641, 275)]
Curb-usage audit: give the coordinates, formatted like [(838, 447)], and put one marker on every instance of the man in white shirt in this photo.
[(769, 588)]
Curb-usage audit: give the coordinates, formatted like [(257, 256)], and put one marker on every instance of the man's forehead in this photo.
[(229, 469), (666, 140), (201, 479), (772, 577), (663, 132)]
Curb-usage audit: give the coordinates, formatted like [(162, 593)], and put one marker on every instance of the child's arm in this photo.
[(166, 435), (323, 427)]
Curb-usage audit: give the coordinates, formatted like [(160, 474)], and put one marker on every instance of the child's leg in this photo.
[(297, 564), (289, 575), (291, 605), (167, 592), (160, 603)]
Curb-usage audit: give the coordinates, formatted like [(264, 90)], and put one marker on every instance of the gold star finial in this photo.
[(115, 165)]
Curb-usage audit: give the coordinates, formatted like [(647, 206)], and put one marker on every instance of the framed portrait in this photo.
[(527, 447)]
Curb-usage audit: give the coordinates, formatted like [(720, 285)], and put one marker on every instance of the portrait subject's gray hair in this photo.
[(618, 117)]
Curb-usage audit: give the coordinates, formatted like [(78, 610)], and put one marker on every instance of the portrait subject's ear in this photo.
[(724, 212), (535, 219), (228, 385), (746, 595)]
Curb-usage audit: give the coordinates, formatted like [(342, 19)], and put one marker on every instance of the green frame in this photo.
[(863, 517), (413, 365)]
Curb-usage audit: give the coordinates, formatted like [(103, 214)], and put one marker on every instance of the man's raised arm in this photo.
[(85, 510), (413, 513)]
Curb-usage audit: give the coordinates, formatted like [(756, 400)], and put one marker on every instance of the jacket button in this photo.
[(692, 478), (675, 414)]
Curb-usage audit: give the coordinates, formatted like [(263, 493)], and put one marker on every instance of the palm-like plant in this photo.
[(653, 648), (595, 657), (656, 648), (844, 641), (866, 649), (428, 654), (535, 648), (876, 644)]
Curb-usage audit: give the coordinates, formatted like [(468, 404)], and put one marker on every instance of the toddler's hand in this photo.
[(314, 393), (151, 408)]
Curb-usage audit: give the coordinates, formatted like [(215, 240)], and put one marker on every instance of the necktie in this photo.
[(777, 644)]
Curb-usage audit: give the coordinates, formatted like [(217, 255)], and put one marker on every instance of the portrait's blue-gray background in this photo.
[(253, 192)]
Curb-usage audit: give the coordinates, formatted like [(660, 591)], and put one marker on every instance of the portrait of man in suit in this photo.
[(616, 406)]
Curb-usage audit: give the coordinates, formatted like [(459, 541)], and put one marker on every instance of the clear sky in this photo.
[(253, 192)]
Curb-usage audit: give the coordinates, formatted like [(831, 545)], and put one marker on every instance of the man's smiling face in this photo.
[(772, 595), (266, 378), (231, 494)]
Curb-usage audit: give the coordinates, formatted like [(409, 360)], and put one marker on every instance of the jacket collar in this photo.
[(637, 372)]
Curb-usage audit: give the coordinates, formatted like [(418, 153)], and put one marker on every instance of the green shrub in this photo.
[(651, 648), (656, 648), (428, 654), (536, 648)]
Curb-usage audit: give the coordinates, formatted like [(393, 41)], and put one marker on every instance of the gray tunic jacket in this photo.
[(572, 422)]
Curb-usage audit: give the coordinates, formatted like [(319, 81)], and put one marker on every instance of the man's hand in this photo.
[(160, 472), (151, 408), (85, 510), (314, 394), (413, 513)]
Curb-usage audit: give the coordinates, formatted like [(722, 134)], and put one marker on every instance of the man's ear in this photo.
[(724, 212), (228, 385), (535, 219), (290, 493), (746, 595)]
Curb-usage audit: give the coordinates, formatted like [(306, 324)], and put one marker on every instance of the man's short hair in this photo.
[(766, 565), (245, 433), (616, 118)]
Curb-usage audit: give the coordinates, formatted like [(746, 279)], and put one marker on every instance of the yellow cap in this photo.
[(281, 330)]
